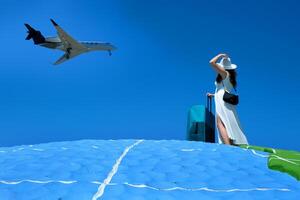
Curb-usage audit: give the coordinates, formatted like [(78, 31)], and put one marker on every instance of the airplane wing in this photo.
[(66, 39), (71, 46), (68, 56)]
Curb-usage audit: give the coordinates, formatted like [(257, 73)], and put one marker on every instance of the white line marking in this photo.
[(187, 149), (38, 149), (260, 155), (64, 148), (19, 149), (145, 186), (290, 160), (114, 170), (141, 186), (191, 149), (95, 147), (36, 181), (205, 188), (48, 181), (99, 183), (280, 158)]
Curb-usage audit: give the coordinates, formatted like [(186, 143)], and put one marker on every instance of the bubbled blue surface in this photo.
[(138, 170)]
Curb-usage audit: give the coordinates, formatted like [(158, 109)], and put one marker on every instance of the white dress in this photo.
[(227, 113)]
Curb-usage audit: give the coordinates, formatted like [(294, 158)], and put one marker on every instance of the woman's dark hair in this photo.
[(232, 77)]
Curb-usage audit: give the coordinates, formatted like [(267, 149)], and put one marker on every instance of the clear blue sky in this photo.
[(144, 90)]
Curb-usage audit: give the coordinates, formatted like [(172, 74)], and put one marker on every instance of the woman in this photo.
[(227, 120)]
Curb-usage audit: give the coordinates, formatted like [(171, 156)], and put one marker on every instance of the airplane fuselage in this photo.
[(56, 43)]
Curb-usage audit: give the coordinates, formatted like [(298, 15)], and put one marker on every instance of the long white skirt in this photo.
[(227, 113)]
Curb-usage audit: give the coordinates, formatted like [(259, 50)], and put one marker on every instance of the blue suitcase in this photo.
[(201, 123)]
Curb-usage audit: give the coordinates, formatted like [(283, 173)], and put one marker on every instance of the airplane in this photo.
[(66, 43)]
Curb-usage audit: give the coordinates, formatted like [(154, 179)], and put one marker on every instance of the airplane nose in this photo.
[(113, 47)]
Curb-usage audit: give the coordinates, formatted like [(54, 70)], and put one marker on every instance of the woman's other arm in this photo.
[(220, 70)]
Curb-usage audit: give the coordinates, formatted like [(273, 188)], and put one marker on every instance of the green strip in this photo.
[(280, 160)]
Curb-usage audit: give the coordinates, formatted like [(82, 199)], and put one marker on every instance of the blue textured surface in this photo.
[(165, 169)]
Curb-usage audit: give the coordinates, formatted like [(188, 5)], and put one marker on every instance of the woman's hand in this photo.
[(223, 55), (210, 94), (217, 57)]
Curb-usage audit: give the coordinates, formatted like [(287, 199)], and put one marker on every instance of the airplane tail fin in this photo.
[(37, 36)]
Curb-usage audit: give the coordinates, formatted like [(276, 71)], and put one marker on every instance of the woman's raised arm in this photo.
[(219, 70)]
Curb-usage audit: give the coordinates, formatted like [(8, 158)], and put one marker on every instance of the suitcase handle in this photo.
[(209, 103)]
